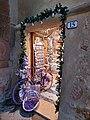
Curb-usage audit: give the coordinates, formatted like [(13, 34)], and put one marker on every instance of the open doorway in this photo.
[(43, 47)]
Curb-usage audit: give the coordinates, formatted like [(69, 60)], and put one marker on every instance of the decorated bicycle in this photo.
[(27, 91)]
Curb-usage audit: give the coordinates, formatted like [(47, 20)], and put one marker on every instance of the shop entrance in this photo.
[(43, 47)]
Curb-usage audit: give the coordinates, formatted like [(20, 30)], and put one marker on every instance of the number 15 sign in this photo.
[(72, 24)]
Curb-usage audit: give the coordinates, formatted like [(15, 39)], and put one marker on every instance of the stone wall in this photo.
[(14, 39), (7, 48), (75, 98), (4, 48), (33, 7)]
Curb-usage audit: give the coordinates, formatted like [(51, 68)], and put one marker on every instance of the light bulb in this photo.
[(41, 22), (52, 14), (59, 10), (32, 24)]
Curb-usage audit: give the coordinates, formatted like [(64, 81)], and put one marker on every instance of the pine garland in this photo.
[(60, 58), (62, 11)]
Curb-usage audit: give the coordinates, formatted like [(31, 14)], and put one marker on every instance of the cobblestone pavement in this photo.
[(16, 116), (9, 112)]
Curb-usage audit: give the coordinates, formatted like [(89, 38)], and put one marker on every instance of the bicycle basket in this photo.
[(31, 101)]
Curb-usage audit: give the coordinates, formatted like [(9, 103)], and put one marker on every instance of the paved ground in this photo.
[(45, 111), (17, 116), (20, 115), (9, 112)]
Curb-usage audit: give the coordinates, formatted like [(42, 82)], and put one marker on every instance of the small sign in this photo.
[(72, 24)]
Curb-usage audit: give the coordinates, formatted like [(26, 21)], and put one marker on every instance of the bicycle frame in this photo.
[(43, 78)]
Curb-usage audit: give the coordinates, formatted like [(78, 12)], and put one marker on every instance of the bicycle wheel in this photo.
[(47, 81), (15, 93)]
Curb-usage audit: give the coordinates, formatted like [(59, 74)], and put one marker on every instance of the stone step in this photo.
[(47, 110)]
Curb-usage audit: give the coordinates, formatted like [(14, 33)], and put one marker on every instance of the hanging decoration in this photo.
[(62, 11)]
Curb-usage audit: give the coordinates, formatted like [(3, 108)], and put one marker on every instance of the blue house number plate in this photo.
[(72, 24)]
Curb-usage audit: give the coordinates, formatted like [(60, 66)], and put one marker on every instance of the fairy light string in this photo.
[(62, 11), (60, 61)]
